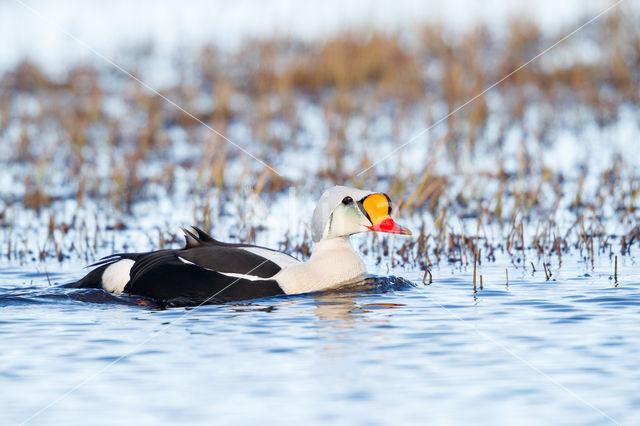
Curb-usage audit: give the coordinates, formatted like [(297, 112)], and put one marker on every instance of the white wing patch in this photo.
[(281, 259), (236, 275), (188, 262), (116, 275), (243, 276)]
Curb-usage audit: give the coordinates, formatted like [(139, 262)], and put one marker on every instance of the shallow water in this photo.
[(564, 351)]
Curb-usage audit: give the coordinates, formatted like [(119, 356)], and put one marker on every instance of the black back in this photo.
[(194, 273)]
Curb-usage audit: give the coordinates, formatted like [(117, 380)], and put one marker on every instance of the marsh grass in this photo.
[(97, 138)]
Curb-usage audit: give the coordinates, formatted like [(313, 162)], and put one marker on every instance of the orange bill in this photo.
[(378, 209)]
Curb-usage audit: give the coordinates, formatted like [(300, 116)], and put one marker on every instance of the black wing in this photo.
[(231, 260), (162, 275), (196, 272)]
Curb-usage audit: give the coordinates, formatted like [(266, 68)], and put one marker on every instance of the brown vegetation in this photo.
[(63, 131)]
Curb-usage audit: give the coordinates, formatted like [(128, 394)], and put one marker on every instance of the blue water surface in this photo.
[(563, 351)]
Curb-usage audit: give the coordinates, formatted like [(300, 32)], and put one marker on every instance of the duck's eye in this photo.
[(347, 200)]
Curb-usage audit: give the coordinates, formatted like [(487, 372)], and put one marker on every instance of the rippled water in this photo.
[(564, 351)]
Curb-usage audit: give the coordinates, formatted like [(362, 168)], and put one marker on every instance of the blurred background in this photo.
[(112, 113), (170, 26), (320, 95)]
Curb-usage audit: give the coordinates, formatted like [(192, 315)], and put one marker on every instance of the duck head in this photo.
[(343, 211)]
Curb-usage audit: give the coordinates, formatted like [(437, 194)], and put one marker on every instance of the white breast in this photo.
[(332, 263), (116, 275)]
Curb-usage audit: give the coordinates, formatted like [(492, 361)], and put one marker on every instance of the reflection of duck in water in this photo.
[(342, 305), (209, 269), (337, 309)]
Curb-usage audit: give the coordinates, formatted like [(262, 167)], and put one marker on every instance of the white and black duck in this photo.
[(210, 270)]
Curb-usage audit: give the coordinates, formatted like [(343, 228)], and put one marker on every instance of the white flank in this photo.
[(116, 276), (281, 259), (188, 262)]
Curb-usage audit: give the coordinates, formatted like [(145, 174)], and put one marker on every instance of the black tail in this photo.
[(92, 280)]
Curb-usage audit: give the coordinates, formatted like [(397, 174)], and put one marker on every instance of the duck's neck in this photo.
[(333, 262)]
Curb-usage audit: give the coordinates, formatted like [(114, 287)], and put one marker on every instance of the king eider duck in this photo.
[(213, 271)]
